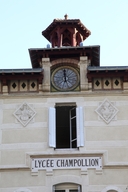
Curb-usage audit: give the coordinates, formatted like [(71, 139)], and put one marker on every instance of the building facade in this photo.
[(64, 122)]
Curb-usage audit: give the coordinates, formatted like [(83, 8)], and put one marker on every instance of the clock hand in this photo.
[(64, 71)]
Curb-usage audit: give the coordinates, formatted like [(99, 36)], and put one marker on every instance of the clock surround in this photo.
[(65, 78)]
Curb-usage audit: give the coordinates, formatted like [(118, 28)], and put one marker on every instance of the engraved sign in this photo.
[(66, 163)]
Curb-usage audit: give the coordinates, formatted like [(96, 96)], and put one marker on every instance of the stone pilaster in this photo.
[(5, 90), (84, 62), (125, 86), (45, 64)]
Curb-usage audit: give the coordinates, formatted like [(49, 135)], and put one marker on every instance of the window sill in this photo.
[(70, 149)]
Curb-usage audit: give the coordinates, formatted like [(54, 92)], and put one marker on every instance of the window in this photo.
[(67, 187), (66, 126), (67, 190)]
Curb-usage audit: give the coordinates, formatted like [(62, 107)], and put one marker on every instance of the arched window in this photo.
[(112, 190), (67, 187)]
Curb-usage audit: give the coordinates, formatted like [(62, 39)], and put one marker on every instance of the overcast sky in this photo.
[(22, 21)]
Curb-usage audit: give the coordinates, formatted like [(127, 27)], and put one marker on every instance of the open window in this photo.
[(66, 126)]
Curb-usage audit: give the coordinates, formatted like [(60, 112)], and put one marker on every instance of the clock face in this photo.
[(65, 78)]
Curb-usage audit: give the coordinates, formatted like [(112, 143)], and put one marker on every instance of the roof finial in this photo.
[(66, 16)]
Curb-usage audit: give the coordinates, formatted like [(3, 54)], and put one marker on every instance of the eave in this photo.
[(107, 72), (92, 52), (20, 74)]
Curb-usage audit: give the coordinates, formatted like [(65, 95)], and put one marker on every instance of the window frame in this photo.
[(79, 126), (67, 187)]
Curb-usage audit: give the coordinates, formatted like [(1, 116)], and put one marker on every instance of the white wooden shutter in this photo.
[(80, 126), (79, 188), (52, 127), (53, 188), (72, 118)]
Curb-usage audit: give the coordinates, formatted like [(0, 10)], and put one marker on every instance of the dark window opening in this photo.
[(59, 190), (66, 127)]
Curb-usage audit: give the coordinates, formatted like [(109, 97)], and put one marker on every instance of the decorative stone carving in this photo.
[(107, 111), (107, 84), (22, 190), (13, 86), (23, 86), (97, 84), (24, 114)]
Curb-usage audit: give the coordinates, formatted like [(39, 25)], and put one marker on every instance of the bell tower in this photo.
[(66, 32)]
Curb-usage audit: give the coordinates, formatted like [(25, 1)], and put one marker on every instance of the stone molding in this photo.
[(22, 190), (64, 178), (65, 60)]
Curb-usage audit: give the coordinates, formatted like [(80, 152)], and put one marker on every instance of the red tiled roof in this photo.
[(76, 23)]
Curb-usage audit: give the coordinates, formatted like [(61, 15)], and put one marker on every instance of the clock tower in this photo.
[(64, 122), (65, 60)]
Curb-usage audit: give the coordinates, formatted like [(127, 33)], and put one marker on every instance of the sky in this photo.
[(22, 21)]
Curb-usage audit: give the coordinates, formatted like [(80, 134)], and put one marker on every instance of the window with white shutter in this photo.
[(66, 126)]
